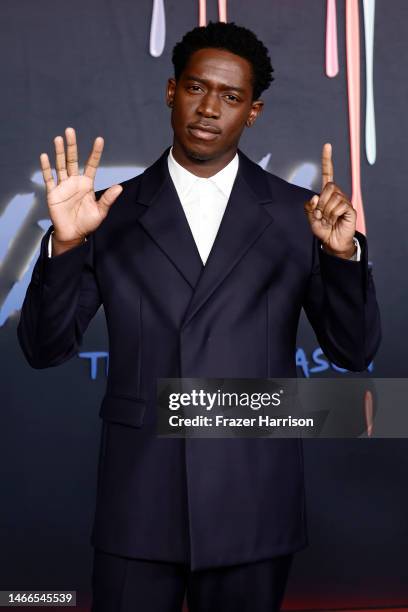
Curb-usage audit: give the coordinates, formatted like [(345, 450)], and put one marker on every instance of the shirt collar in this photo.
[(184, 180)]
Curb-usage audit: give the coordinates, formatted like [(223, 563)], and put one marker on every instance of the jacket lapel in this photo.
[(165, 221), (243, 222)]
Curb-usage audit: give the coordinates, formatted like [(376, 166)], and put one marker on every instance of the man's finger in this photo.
[(329, 204), (311, 204), (108, 197), (94, 158), (342, 209), (60, 163), (311, 208), (72, 151), (47, 172), (326, 195), (327, 165)]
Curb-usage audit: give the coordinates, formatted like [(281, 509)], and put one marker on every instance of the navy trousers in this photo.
[(121, 584)]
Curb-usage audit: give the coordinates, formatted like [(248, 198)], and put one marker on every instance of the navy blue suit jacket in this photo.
[(208, 502)]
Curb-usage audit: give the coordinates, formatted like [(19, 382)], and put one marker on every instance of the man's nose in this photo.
[(209, 106)]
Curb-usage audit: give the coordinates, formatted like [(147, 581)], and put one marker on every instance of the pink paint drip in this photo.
[(202, 12), (368, 412), (353, 89)]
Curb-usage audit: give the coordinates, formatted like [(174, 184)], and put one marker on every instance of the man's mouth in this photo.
[(203, 131)]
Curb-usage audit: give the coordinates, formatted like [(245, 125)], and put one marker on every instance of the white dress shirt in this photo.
[(204, 201)]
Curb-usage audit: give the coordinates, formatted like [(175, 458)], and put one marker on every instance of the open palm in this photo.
[(72, 205)]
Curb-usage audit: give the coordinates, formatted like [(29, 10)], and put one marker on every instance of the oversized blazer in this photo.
[(206, 502)]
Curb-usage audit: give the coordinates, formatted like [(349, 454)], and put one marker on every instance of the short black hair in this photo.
[(230, 37)]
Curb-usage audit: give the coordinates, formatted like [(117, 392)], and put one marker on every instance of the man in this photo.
[(203, 265)]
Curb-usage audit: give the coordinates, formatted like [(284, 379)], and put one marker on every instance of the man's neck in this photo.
[(202, 168)]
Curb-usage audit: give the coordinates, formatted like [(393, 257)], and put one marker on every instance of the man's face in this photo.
[(212, 103)]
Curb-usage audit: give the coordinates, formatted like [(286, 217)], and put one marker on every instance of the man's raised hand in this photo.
[(72, 205), (331, 215)]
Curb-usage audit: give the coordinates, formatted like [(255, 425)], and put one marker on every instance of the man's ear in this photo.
[(170, 91), (256, 109)]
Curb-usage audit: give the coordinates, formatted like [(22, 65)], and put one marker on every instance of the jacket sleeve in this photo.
[(60, 301), (340, 303)]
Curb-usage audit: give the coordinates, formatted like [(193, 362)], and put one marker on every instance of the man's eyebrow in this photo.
[(191, 77)]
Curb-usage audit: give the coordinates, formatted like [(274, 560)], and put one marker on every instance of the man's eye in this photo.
[(195, 87), (231, 97)]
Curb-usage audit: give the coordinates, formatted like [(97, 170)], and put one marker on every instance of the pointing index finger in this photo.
[(327, 165)]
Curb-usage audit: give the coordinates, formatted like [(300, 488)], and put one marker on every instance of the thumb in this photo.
[(310, 207), (108, 198)]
